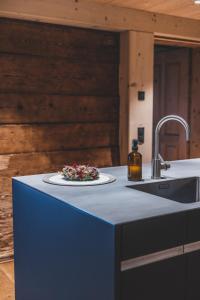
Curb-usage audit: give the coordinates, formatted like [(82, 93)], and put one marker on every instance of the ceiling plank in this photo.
[(181, 8), (102, 16)]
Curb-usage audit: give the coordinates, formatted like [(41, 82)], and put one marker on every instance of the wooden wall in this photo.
[(58, 103)]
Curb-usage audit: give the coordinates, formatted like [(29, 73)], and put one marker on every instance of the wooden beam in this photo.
[(136, 74), (170, 41), (83, 13)]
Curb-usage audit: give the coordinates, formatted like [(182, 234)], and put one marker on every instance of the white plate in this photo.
[(59, 179)]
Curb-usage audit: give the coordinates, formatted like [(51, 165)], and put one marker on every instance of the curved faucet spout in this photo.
[(162, 122), (158, 162)]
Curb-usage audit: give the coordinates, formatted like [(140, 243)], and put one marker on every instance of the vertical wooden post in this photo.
[(136, 74)]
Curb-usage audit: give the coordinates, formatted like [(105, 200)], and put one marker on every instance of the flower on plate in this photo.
[(80, 172)]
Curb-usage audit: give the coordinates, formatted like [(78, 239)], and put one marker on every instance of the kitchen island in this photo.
[(106, 242)]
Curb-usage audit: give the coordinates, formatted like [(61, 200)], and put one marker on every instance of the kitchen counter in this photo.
[(115, 203), (106, 242)]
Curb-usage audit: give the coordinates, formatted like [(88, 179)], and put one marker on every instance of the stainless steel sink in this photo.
[(184, 190)]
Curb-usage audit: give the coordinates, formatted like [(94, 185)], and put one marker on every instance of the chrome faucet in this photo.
[(158, 163)]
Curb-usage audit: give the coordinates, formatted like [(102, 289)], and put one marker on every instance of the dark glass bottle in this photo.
[(135, 163)]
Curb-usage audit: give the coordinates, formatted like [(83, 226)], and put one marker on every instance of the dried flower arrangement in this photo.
[(77, 172)]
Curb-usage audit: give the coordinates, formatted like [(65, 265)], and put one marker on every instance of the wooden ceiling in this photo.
[(181, 8)]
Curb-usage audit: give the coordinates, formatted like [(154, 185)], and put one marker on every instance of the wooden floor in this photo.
[(7, 281)]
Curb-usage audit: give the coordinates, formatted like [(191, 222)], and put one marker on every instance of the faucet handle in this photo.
[(165, 165)]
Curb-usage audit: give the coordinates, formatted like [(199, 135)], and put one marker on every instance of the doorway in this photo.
[(172, 89)]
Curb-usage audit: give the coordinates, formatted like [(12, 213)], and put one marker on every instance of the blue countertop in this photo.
[(115, 203)]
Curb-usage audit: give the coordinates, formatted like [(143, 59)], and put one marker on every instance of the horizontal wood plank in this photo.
[(183, 8), (46, 162), (49, 75), (42, 162), (26, 108), (51, 137), (58, 41)]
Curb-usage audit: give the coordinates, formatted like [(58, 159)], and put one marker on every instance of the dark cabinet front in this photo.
[(193, 258), (162, 280), (193, 276), (152, 235), (176, 278), (193, 225)]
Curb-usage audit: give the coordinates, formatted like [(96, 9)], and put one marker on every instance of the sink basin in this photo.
[(184, 190)]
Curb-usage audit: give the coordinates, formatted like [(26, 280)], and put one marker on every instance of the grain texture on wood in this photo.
[(41, 162), (41, 75), (97, 15), (58, 103), (58, 41), (182, 8), (136, 76), (36, 138), (27, 108), (45, 162), (7, 291)]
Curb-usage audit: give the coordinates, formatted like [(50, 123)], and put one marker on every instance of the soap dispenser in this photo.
[(135, 163)]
